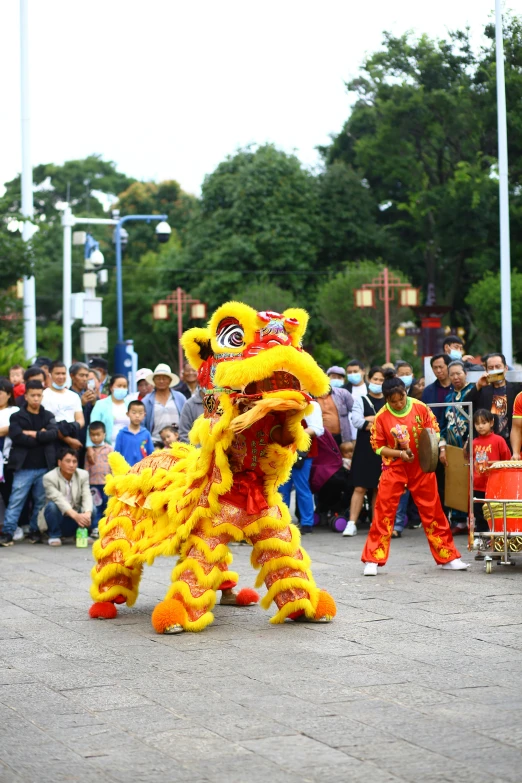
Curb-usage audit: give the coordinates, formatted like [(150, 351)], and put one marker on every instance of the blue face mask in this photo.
[(455, 355), (58, 387), (336, 382), (407, 380), (355, 377), (119, 393), (375, 388)]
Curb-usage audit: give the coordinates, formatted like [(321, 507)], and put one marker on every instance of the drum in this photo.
[(505, 481), (428, 450)]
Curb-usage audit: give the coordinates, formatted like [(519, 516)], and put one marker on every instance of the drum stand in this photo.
[(511, 541)]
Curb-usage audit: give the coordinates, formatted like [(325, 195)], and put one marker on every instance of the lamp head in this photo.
[(163, 231)]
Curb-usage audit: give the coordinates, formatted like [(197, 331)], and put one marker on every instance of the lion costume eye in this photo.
[(230, 333)]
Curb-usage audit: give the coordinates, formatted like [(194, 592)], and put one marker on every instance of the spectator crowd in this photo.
[(56, 437)]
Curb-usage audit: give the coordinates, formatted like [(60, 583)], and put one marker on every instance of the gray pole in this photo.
[(505, 263), (27, 184)]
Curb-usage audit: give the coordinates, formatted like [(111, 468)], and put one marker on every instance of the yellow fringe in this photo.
[(182, 590), (293, 606), (292, 582), (282, 562)]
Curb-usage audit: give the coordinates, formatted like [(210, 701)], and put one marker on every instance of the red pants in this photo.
[(423, 488)]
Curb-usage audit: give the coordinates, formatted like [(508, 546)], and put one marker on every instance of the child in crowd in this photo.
[(98, 470), (134, 442), (487, 447), (16, 376), (169, 435), (347, 449)]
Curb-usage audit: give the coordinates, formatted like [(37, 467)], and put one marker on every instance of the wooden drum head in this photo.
[(428, 450)]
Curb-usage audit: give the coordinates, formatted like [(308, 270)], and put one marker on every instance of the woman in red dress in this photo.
[(395, 437)]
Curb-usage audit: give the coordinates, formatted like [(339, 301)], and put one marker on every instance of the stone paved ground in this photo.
[(418, 678)]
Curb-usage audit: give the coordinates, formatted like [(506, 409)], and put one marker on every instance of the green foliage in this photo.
[(326, 355), (265, 295), (485, 310), (258, 218), (150, 198), (11, 352), (422, 135), (357, 332)]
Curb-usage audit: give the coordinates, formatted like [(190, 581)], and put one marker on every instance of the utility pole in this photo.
[(27, 183)]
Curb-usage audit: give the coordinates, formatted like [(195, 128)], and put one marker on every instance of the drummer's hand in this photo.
[(482, 382), (516, 455), (443, 458), (407, 455)]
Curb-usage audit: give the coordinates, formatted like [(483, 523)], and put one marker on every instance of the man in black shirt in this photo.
[(34, 433), (495, 394)]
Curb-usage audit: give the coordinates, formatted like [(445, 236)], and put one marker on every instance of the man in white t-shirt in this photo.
[(65, 405)]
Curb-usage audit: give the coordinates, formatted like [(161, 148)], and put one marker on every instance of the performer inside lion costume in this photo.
[(193, 500)]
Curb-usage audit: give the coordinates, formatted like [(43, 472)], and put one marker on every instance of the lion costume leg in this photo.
[(113, 580), (285, 570), (201, 570)]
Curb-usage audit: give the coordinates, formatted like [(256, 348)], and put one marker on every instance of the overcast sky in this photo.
[(167, 89)]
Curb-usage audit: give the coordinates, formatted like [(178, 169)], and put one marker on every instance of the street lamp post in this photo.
[(179, 300), (386, 283), (505, 262), (68, 222), (163, 232), (27, 184)]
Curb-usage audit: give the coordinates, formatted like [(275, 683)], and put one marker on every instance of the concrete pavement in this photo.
[(418, 678)]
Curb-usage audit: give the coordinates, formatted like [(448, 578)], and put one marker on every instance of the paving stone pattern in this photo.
[(418, 678)]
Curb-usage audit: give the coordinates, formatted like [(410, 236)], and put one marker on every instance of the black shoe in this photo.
[(34, 538), (306, 529), (6, 540)]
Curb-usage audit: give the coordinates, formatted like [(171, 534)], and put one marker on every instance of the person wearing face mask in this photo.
[(65, 405), (441, 386), (366, 465), (355, 379), (336, 407), (453, 347), (493, 393), (112, 411), (404, 371)]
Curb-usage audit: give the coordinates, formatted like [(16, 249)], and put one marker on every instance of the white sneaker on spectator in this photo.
[(350, 529), (18, 534), (455, 565), (55, 542), (370, 569)]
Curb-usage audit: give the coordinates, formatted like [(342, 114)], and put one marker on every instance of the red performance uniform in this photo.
[(401, 430), (490, 448)]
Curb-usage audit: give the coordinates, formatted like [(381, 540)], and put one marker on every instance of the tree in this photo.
[(258, 219), (484, 302), (151, 198), (358, 333), (422, 135)]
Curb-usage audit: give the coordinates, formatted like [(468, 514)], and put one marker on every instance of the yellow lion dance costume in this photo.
[(193, 500)]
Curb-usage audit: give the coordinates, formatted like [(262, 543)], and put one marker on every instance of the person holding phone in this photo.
[(494, 393), (85, 388)]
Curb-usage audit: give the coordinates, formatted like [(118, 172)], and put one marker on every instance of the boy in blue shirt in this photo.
[(134, 442)]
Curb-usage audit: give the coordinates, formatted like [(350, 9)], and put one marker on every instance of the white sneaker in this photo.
[(370, 569), (55, 542), (350, 529), (455, 565), (18, 534)]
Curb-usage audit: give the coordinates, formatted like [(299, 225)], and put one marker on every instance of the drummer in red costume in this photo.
[(395, 437)]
